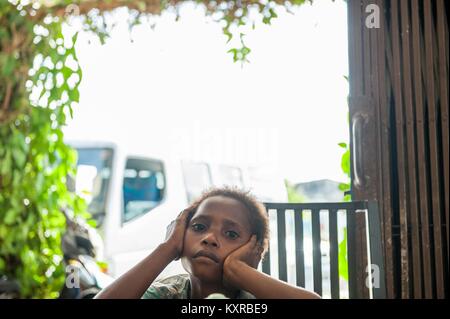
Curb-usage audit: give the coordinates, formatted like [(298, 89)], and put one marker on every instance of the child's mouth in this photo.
[(203, 254)]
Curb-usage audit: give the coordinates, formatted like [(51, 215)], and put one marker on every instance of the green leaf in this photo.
[(5, 164), (272, 13), (227, 32), (343, 145), (9, 66), (245, 51), (19, 157), (92, 223), (74, 39), (66, 72), (10, 217), (234, 52), (74, 96), (345, 163)]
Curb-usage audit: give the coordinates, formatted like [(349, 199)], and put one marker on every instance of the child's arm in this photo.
[(240, 274), (136, 281)]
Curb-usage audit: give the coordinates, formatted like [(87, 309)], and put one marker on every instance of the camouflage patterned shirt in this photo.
[(177, 287)]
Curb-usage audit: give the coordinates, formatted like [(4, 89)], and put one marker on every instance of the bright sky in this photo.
[(177, 84)]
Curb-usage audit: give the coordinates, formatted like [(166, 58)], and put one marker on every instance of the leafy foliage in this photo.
[(342, 257), (34, 161)]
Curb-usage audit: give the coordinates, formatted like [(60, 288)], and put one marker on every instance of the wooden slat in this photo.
[(376, 250), (281, 227), (317, 255), (361, 107), (299, 249), (434, 152), (362, 250), (351, 254), (355, 48), (386, 212), (356, 77), (421, 149), (388, 43), (368, 110), (443, 97), (334, 253), (367, 52), (411, 150), (401, 162)]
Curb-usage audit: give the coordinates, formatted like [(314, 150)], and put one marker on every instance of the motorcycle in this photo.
[(81, 245), (9, 289)]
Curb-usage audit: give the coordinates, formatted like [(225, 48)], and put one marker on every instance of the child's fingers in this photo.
[(182, 217), (182, 214)]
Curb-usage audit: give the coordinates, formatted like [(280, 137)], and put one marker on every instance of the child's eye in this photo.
[(232, 234), (198, 227)]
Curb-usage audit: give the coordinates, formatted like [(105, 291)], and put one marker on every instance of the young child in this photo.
[(220, 240)]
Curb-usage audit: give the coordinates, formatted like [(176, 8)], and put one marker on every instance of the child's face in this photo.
[(220, 226)]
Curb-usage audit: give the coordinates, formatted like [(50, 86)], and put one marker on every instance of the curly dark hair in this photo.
[(258, 217)]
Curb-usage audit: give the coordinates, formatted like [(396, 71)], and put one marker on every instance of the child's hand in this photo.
[(250, 254), (175, 234)]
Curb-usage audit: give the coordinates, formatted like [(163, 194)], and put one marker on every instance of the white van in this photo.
[(134, 194)]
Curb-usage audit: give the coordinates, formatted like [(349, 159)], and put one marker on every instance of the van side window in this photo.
[(143, 187), (197, 178)]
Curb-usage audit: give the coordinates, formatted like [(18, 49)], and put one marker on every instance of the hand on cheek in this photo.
[(175, 234), (249, 253)]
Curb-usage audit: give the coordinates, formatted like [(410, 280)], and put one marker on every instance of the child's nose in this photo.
[(210, 239)]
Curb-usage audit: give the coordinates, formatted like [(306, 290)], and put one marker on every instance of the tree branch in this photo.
[(7, 96)]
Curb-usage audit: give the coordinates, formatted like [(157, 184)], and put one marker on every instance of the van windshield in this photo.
[(94, 167)]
